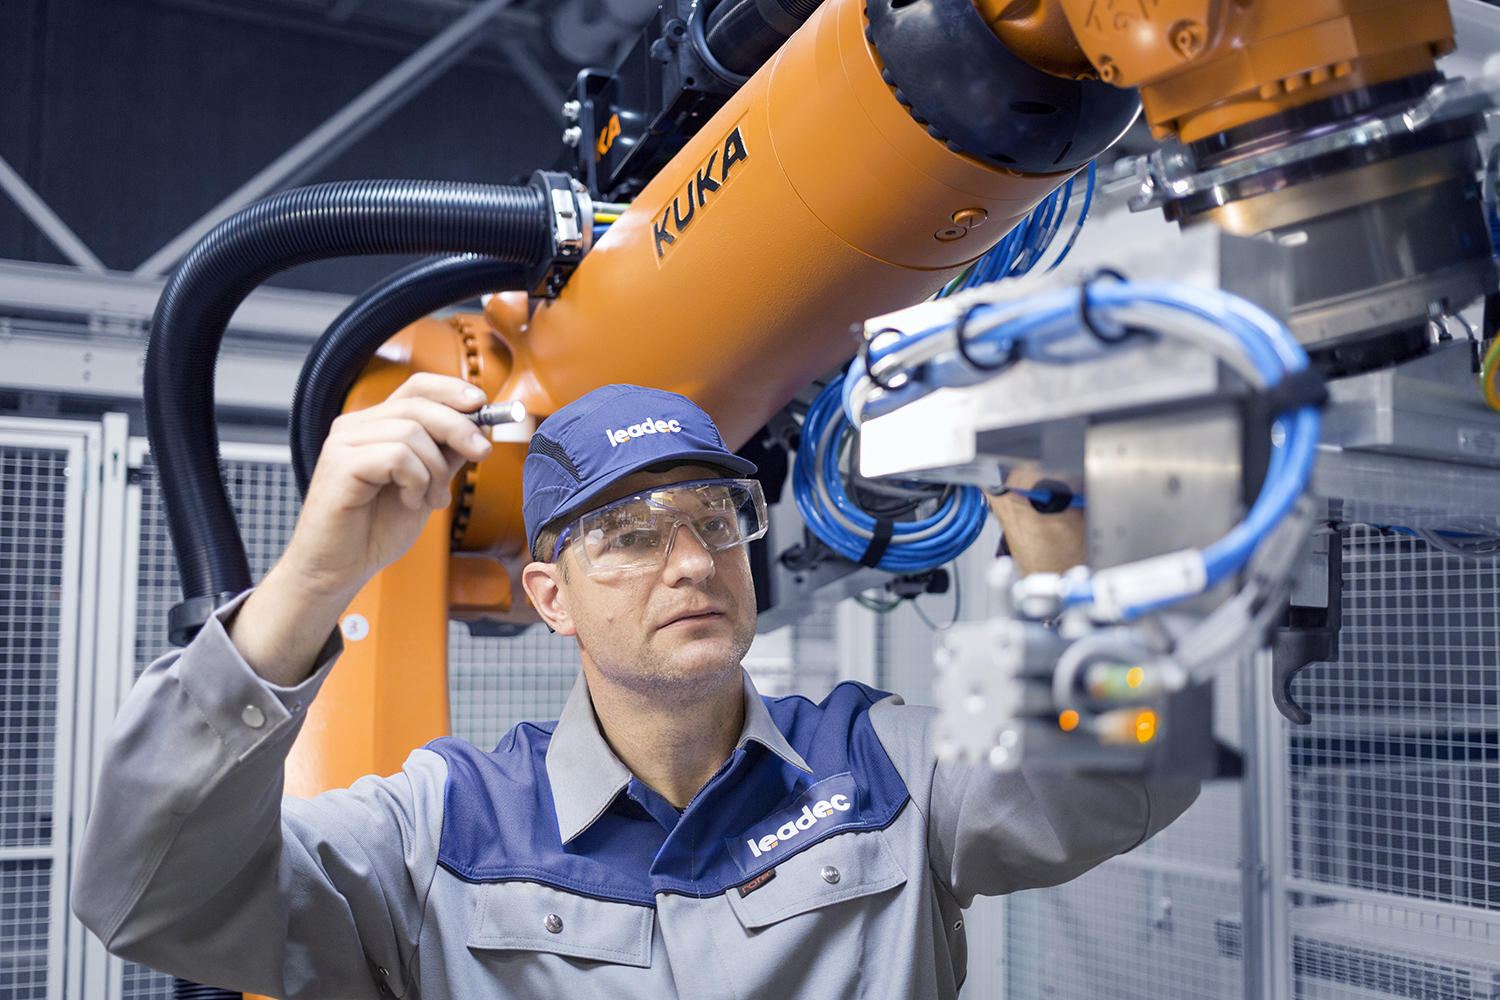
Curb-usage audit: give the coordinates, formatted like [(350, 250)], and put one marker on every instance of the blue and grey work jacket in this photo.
[(828, 857)]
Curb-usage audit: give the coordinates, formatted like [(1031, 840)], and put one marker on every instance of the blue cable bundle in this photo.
[(922, 544), (845, 527), (1024, 245), (1270, 351)]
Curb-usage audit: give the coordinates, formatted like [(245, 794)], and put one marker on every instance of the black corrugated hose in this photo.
[(183, 989), (327, 220), (353, 338), (741, 34)]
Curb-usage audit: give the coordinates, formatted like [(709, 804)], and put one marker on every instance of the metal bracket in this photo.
[(1308, 635), (572, 211)]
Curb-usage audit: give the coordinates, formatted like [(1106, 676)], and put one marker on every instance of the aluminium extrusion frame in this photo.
[(1263, 858), (81, 442)]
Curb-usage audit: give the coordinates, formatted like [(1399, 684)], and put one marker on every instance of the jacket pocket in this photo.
[(843, 868), (528, 916)]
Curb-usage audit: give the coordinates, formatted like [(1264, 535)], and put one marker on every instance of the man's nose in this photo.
[(688, 558)]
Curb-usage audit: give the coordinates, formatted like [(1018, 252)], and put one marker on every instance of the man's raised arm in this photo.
[(191, 863)]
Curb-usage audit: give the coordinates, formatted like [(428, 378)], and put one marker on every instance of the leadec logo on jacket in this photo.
[(825, 806)]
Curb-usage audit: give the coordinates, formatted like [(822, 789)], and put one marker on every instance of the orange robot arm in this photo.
[(828, 188)]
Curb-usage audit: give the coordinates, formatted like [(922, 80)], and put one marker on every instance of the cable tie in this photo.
[(864, 355), (1012, 353), (1087, 320), (880, 540), (1304, 387)]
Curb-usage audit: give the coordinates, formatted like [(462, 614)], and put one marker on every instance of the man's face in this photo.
[(677, 631)]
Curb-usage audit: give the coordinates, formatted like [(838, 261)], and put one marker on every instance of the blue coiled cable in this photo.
[(1014, 255), (915, 545)]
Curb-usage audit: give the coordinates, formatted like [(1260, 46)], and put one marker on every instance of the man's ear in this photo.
[(545, 586)]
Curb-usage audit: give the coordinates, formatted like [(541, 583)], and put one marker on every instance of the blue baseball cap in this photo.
[(604, 436)]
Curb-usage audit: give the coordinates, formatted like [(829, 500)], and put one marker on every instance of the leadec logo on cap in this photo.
[(650, 425)]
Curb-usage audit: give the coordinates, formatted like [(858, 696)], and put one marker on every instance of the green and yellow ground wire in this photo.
[(1489, 375)]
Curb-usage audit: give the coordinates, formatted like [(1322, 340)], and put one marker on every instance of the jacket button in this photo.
[(553, 923), (253, 717), (830, 874)]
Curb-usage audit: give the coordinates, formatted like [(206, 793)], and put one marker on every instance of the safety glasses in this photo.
[(635, 533)]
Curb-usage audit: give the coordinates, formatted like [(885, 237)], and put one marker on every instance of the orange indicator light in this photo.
[(1145, 727), (1135, 676), (1067, 721)]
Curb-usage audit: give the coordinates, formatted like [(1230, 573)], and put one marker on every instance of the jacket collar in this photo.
[(586, 776)]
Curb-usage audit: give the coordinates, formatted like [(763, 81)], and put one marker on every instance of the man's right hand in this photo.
[(381, 474)]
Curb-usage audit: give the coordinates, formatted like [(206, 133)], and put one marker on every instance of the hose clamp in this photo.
[(571, 211)]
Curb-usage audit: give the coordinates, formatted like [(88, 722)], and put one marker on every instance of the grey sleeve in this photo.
[(194, 864), (991, 832)]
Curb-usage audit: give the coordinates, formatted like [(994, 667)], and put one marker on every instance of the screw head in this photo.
[(950, 233), (1187, 37), (970, 217), (1108, 71)]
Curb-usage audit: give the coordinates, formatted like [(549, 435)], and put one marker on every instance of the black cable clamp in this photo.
[(1296, 390), (188, 616), (880, 540), (571, 212), (1087, 320), (1059, 496)]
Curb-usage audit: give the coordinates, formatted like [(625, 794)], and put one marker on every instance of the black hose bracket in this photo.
[(571, 210), (187, 617)]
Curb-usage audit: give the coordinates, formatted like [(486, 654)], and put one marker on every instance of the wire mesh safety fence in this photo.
[(264, 497), (33, 523), (495, 683), (25, 918), (1126, 932), (33, 491), (1394, 788), (1352, 951)]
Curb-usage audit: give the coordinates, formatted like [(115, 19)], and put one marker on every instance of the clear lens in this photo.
[(637, 532)]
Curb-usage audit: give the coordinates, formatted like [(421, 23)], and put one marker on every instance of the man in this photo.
[(673, 834)]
